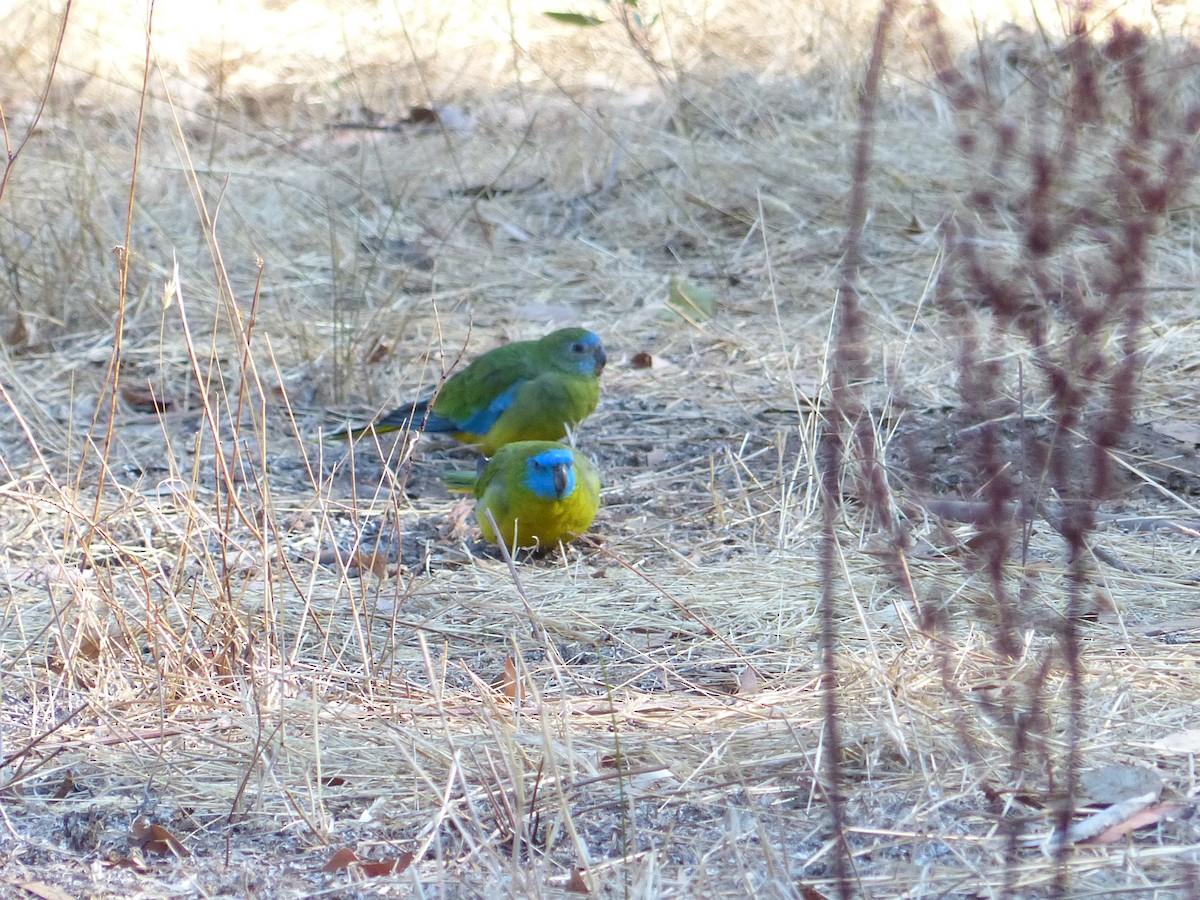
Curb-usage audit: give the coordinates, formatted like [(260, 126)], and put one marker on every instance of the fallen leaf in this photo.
[(576, 883), (1151, 815), (374, 562), (43, 890), (1180, 742), (573, 18), (1187, 432), (1095, 824), (20, 336), (128, 862), (747, 682), (65, 788), (379, 352), (150, 837), (145, 399), (89, 647), (510, 683), (374, 868), (371, 813), (1104, 608), (422, 115), (393, 866), (691, 302), (342, 859), (651, 779), (645, 360)]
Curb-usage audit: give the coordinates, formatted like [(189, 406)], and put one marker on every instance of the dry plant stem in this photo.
[(1092, 391), (13, 153), (847, 411), (222, 464), (507, 555), (32, 744), (113, 376), (979, 377)]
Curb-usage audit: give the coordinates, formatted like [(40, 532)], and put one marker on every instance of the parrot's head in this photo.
[(575, 350), (551, 473)]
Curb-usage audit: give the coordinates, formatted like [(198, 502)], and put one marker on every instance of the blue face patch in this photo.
[(551, 474), (591, 355)]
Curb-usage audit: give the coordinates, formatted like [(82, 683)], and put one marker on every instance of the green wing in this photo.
[(474, 389), (508, 465), (588, 478)]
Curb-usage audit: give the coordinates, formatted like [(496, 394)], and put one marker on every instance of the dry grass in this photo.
[(185, 636)]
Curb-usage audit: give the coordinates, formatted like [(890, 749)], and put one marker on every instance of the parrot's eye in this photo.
[(577, 347)]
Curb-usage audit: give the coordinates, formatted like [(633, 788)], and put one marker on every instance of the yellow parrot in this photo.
[(540, 493), (524, 391)]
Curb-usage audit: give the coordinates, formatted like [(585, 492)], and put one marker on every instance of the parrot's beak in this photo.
[(562, 478), (601, 359)]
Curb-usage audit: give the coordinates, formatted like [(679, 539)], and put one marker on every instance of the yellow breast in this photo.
[(529, 521)]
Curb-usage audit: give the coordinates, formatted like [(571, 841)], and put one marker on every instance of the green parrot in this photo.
[(540, 493), (524, 391)]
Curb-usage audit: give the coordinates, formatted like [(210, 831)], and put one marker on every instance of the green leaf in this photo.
[(571, 18), (691, 301)]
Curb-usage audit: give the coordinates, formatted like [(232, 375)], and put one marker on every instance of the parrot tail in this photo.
[(414, 415), (460, 482)]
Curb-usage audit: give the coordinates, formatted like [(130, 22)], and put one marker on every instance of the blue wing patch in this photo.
[(480, 422)]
